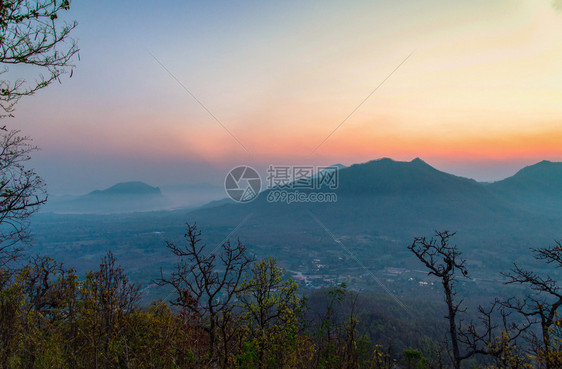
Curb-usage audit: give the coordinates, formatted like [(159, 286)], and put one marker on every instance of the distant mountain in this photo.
[(381, 206), (120, 198), (388, 177), (334, 166), (537, 188), (127, 188), (543, 177), (376, 201)]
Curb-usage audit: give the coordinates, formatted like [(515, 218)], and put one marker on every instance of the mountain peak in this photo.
[(418, 161), (545, 167), (538, 187), (540, 177), (387, 176), (386, 160), (129, 188)]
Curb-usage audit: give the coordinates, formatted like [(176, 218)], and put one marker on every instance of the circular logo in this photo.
[(242, 184)]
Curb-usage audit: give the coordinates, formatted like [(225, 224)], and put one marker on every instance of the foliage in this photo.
[(50, 318), (270, 311)]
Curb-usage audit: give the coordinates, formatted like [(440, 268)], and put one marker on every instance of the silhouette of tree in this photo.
[(32, 34), (22, 191), (206, 283), (488, 337), (445, 262), (541, 305)]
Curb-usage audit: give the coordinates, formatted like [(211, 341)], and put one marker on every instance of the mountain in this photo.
[(393, 188), (536, 188), (381, 206), (127, 189), (120, 198), (388, 177)]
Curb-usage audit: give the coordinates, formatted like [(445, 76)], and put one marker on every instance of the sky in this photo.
[(181, 91)]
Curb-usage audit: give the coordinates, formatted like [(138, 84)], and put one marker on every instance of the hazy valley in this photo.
[(381, 206)]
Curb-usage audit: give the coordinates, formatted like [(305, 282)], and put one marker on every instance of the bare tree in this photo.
[(445, 262), (32, 34), (22, 191), (206, 283), (47, 284), (542, 304), (495, 334)]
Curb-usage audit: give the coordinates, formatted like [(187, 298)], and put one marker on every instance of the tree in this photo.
[(414, 359), (328, 352), (542, 305), (206, 283), (22, 191), (157, 338), (445, 262), (337, 344), (106, 297), (32, 35), (35, 305), (271, 310)]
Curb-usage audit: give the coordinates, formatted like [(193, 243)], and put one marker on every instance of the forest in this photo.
[(226, 309)]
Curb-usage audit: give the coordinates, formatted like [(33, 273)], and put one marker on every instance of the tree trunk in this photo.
[(452, 324)]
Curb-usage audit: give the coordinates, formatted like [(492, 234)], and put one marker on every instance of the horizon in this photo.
[(262, 172)]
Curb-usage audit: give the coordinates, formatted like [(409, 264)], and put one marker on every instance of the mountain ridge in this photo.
[(536, 188)]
